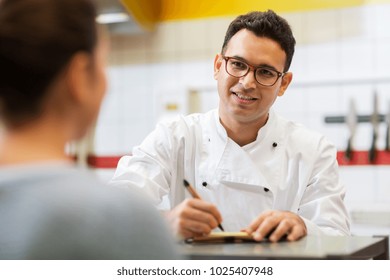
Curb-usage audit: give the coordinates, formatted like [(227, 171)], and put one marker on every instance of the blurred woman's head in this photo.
[(50, 58)]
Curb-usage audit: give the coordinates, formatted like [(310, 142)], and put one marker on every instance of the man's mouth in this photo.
[(243, 97)]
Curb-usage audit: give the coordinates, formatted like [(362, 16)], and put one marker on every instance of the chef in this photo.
[(254, 170)]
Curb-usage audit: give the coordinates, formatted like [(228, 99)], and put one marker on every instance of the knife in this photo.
[(375, 126), (351, 121)]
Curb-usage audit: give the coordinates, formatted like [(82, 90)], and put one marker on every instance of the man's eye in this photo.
[(238, 64), (266, 72)]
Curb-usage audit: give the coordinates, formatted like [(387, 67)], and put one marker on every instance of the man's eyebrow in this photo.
[(263, 65)]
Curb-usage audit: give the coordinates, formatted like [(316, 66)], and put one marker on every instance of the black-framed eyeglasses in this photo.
[(263, 75)]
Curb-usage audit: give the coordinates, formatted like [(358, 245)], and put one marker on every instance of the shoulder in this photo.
[(84, 188), (299, 137), (184, 126), (72, 192), (109, 222)]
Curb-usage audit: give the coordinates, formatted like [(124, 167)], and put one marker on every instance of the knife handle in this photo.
[(348, 151), (372, 152)]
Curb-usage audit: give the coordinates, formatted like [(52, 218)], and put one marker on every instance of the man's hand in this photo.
[(193, 217), (277, 224)]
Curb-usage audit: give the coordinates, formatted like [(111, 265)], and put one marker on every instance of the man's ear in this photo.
[(78, 77), (217, 65), (286, 80)]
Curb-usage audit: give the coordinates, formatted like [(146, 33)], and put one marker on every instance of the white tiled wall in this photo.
[(341, 54)]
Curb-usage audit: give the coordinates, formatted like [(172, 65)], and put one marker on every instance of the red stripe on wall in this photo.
[(358, 158), (362, 158), (103, 161)]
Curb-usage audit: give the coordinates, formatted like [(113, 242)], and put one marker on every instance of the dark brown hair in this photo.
[(37, 40), (264, 24)]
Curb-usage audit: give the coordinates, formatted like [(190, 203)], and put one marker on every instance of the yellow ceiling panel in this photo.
[(189, 9), (145, 12), (148, 12)]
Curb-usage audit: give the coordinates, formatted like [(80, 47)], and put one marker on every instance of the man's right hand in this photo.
[(193, 217)]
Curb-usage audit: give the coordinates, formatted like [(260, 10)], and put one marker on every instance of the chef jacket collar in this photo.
[(261, 134)]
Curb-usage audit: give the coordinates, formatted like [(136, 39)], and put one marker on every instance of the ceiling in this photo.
[(105, 6), (115, 6), (148, 13), (144, 14)]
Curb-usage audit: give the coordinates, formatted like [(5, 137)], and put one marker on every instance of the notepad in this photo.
[(222, 237)]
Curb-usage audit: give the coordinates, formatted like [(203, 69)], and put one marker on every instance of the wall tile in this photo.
[(323, 61), (199, 73), (129, 49), (361, 186), (137, 102), (165, 38), (135, 75), (165, 74), (323, 99), (292, 102), (299, 65), (382, 195), (192, 36), (132, 134), (357, 60), (321, 26), (296, 21), (108, 110), (216, 29), (381, 21), (382, 58), (353, 23), (107, 141)]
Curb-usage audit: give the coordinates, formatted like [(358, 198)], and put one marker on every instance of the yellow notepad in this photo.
[(222, 237)]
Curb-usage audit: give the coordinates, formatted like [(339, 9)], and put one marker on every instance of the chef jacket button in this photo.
[(274, 144), (266, 189), (204, 184)]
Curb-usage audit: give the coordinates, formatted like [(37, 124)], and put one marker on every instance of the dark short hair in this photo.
[(37, 40), (265, 24)]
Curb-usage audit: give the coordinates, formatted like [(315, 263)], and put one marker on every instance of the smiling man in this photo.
[(254, 170)]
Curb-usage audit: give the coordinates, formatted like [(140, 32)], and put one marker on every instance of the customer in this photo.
[(255, 170), (52, 82)]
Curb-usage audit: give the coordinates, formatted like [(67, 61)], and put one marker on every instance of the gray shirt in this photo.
[(55, 211)]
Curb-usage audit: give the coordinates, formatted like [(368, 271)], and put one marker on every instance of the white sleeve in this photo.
[(322, 206), (149, 167)]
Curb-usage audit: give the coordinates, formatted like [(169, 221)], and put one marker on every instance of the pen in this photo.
[(194, 194)]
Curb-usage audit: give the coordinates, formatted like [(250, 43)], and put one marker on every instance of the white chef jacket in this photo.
[(288, 167)]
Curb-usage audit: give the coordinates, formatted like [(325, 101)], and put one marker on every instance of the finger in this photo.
[(193, 217), (266, 228), (185, 234), (196, 227), (297, 232), (208, 207), (254, 225), (190, 229), (281, 231), (202, 217)]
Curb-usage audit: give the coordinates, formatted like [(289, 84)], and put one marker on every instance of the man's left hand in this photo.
[(276, 225)]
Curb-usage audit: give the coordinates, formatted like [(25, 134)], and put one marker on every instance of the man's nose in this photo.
[(248, 81)]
